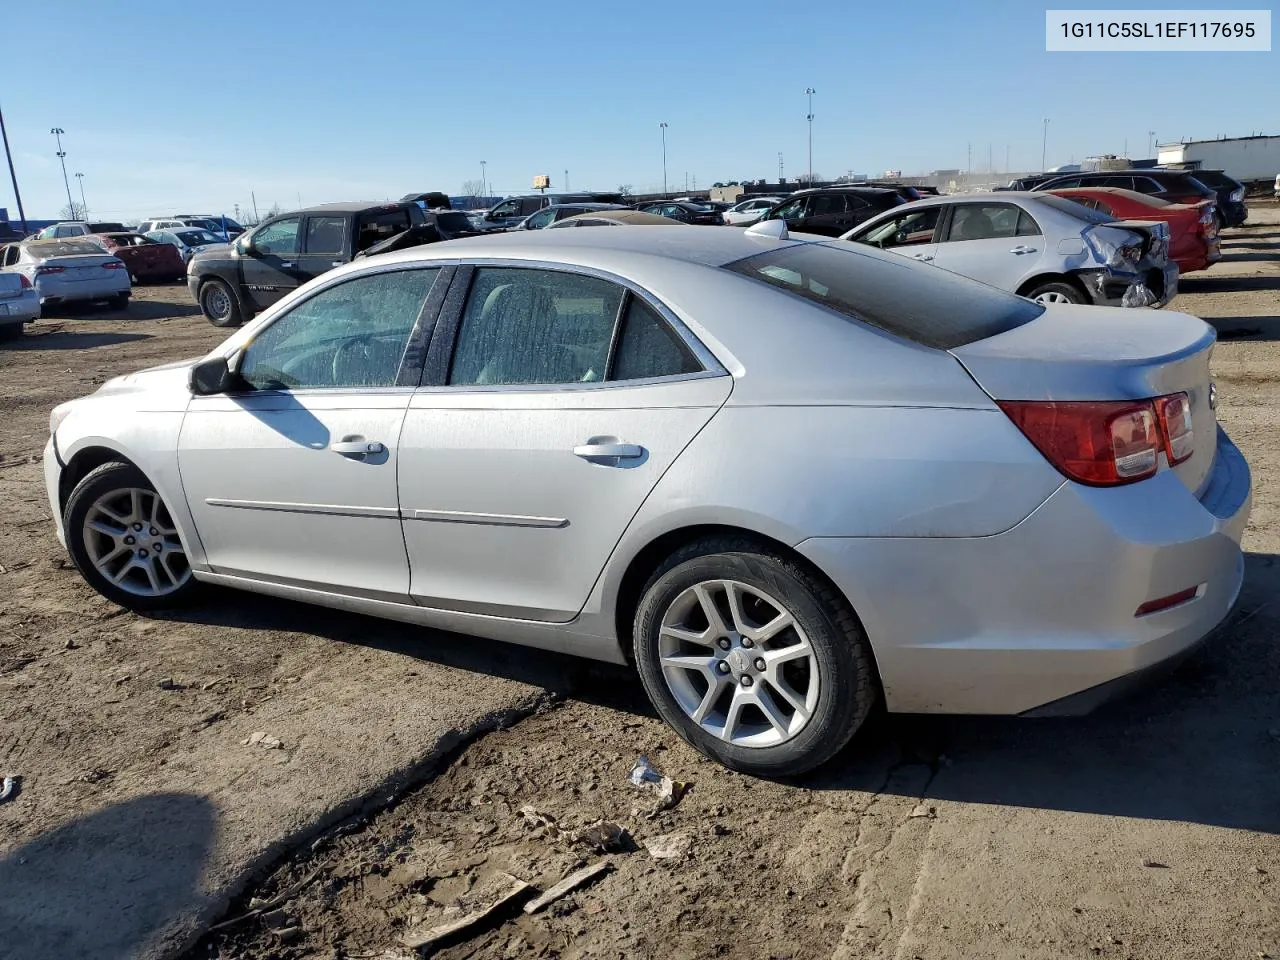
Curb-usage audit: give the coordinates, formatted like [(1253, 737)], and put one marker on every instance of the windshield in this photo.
[(1215, 179), (197, 238), (918, 303)]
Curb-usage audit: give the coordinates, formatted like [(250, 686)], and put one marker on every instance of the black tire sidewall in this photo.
[(111, 476), (846, 692), (1058, 287), (234, 317)]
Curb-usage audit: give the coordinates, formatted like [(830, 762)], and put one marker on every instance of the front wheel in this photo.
[(1055, 293), (123, 540), (219, 305), (755, 660)]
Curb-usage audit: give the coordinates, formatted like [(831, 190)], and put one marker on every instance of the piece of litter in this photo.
[(167, 683), (423, 936), (646, 776), (213, 683), (1148, 862), (70, 645), (534, 818), (7, 786), (923, 810), (258, 907), (570, 883), (262, 739), (603, 836), (125, 679), (288, 934), (669, 846)]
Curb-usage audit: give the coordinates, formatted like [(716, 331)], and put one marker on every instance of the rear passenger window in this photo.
[(989, 221), (1027, 226), (648, 347), (1146, 185), (325, 235)]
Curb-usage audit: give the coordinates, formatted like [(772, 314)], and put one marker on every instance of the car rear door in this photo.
[(556, 399), (995, 242), (326, 239)]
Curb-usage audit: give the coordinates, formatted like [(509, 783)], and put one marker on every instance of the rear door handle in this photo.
[(1022, 248), (921, 256), (357, 449), (286, 264), (609, 451)]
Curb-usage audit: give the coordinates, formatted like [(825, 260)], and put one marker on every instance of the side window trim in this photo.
[(615, 338), (444, 337)]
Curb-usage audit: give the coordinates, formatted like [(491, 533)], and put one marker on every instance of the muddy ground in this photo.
[(420, 770)]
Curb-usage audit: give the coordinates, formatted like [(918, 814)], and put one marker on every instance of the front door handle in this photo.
[(612, 450), (921, 256), (1022, 248), (357, 449), (286, 264)]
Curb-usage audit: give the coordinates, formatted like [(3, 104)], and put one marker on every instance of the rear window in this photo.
[(918, 303), (64, 248), (454, 221), (1071, 208), (1216, 179), (196, 238)]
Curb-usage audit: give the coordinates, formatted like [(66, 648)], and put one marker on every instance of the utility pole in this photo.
[(484, 188), (254, 198), (663, 125), (809, 92), (566, 180), (1044, 145), (22, 214), (62, 158), (970, 161), (1151, 144), (1006, 158), (84, 205), (779, 166)]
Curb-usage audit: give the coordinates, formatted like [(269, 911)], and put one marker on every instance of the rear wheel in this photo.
[(119, 302), (124, 542), (752, 658), (1056, 292), (218, 304)]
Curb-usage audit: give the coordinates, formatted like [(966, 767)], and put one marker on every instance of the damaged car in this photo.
[(1040, 246)]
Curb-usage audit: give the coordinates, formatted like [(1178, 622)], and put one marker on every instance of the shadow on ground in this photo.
[(137, 310), (60, 339), (105, 884), (1193, 747), (1240, 328), (1226, 284)]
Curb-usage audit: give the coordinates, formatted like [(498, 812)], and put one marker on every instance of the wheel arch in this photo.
[(84, 462), (653, 554), (1028, 285)]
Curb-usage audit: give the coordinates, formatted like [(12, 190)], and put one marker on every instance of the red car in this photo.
[(1193, 227), (145, 258)]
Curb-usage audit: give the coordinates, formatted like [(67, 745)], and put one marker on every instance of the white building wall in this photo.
[(1257, 158)]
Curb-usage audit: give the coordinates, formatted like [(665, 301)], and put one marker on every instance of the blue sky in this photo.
[(171, 106)]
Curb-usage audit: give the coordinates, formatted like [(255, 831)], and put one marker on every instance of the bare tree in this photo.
[(625, 189), (76, 211), (472, 188)]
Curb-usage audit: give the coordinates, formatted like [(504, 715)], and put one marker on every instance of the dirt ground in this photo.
[(420, 771)]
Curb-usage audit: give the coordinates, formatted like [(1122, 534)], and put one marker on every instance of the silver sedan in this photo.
[(75, 269), (785, 478)]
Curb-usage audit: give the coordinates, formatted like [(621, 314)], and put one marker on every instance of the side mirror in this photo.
[(244, 247), (212, 376)]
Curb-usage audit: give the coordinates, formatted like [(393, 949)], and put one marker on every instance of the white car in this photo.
[(69, 270), (19, 303), (184, 223), (749, 210), (1041, 246), (77, 228), (188, 240)]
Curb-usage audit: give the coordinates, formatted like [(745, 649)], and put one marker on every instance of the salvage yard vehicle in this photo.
[(560, 211), (1040, 246), (684, 211), (187, 241), (1176, 186), (830, 211), (513, 210), (749, 210), (614, 218), (63, 271), (77, 228), (232, 282), (1193, 228), (19, 303), (146, 258), (785, 478)]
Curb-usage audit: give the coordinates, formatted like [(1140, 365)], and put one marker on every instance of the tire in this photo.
[(219, 305), (1056, 292), (835, 677), (119, 302), (11, 331), (118, 497)]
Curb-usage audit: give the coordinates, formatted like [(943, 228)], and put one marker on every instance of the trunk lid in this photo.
[(1105, 353), (10, 284), (87, 267)]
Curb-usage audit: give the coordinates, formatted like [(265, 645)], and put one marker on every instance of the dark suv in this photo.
[(513, 210), (1176, 186), (831, 211), (1232, 210)]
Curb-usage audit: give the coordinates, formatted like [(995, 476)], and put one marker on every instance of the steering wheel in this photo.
[(346, 353)]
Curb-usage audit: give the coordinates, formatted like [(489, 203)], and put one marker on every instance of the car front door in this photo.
[(792, 213), (912, 233), (292, 477), (523, 461), (270, 266), (997, 243)]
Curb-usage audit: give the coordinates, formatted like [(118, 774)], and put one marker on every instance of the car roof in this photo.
[(624, 216), (353, 206), (844, 188)]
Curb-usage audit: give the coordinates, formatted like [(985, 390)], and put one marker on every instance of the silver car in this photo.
[(785, 479), (19, 303), (62, 271), (1042, 246)]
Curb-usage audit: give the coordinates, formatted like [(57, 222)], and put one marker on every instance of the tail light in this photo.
[(44, 271), (25, 284), (1105, 443), (113, 265)]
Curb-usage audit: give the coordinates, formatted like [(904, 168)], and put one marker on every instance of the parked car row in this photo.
[(1175, 186)]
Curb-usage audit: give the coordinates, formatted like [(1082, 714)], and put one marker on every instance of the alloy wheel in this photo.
[(738, 663), (1053, 296), (132, 542)]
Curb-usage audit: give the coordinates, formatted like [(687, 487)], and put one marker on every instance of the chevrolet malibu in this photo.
[(784, 477)]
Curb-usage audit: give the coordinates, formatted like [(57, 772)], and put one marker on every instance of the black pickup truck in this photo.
[(232, 281)]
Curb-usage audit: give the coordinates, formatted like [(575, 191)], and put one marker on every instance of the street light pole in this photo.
[(663, 125), (484, 190), (22, 214), (62, 158), (809, 92), (1044, 145), (84, 204), (1151, 144)]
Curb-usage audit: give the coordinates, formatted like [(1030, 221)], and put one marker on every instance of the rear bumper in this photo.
[(53, 290), (23, 308), (1149, 288), (1046, 610)]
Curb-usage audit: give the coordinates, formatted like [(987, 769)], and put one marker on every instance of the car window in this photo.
[(985, 221), (326, 235), (1066, 184), (508, 208), (279, 239), (531, 205), (1147, 185), (534, 326), (10, 255), (931, 307), (906, 229), (376, 227), (540, 219), (826, 204), (353, 334), (648, 347), (1027, 226), (790, 211)]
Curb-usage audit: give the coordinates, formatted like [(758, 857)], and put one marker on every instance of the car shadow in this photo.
[(1226, 284), (1242, 257), (105, 885), (1201, 745), (136, 310), (60, 339), (1249, 244), (1246, 328)]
